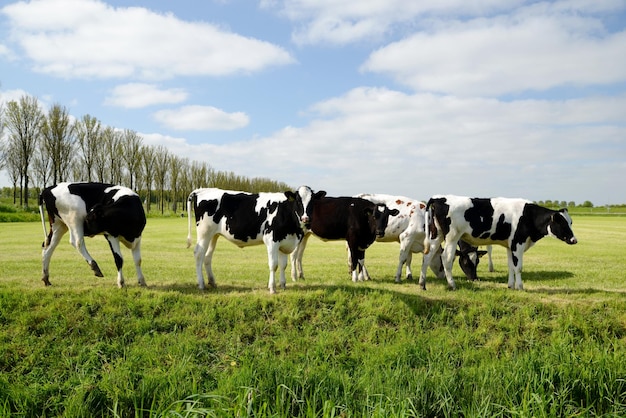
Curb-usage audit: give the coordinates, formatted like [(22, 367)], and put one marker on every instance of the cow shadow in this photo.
[(419, 304), (192, 289), (570, 291)]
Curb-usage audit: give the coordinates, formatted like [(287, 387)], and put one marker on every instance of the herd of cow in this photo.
[(441, 229)]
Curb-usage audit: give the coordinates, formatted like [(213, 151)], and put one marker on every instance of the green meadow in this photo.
[(324, 347)]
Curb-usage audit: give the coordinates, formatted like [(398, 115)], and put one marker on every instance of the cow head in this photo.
[(382, 214), (560, 226), (307, 196), (94, 221), (469, 257)]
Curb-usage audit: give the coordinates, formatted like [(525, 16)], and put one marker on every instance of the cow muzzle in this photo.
[(572, 241)]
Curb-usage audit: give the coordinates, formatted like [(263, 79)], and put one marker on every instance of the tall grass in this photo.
[(325, 347)]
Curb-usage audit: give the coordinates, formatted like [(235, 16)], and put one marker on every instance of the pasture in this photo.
[(325, 347)]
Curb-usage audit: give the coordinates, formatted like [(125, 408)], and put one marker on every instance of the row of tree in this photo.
[(42, 148)]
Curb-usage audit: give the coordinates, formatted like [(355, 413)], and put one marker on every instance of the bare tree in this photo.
[(131, 145), (161, 167), (13, 169), (87, 136), (147, 163), (113, 145), (176, 164), (24, 119), (41, 168), (58, 142)]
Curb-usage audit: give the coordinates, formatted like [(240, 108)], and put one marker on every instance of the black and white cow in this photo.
[(516, 224), (245, 219), (407, 228), (88, 209), (358, 221)]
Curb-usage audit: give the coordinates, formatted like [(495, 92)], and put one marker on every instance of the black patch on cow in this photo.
[(480, 217), (439, 210), (92, 193), (124, 217), (503, 229), (286, 221), (242, 220), (205, 207)]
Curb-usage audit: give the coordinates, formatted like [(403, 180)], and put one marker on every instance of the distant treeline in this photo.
[(38, 149)]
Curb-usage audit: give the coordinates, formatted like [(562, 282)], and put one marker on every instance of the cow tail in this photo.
[(428, 224), (43, 221), (190, 201)]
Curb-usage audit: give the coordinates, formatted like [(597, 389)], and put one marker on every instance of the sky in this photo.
[(480, 98)]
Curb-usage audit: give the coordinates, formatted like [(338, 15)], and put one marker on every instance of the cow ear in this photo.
[(459, 253), (319, 194), (291, 196), (368, 211), (481, 253), (394, 212)]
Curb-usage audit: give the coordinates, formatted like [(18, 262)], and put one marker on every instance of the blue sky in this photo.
[(485, 98)]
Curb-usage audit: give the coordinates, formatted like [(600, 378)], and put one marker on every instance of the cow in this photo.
[(356, 220), (407, 228), (89, 209), (516, 224), (245, 219)]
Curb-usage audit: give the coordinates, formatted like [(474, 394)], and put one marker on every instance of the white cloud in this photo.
[(379, 140), (505, 55), (138, 95), (90, 39), (345, 21), (199, 118)]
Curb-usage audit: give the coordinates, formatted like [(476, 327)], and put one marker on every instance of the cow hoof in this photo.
[(409, 277), (46, 282), (272, 291), (96, 269)]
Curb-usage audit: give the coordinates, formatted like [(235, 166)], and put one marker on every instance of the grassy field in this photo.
[(325, 347)]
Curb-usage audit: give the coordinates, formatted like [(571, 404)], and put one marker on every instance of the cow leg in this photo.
[(357, 261), (114, 244), (296, 259), (282, 264), (406, 243), (491, 269), (57, 230), (364, 274), (272, 261), (447, 258), (208, 261), (203, 252), (427, 260), (77, 239), (515, 268), (409, 272), (136, 250)]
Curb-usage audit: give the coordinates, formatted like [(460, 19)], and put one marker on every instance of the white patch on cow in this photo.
[(121, 191)]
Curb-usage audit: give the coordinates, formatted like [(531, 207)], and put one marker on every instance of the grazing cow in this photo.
[(88, 209), (245, 219), (358, 221), (513, 223), (407, 228), (469, 257)]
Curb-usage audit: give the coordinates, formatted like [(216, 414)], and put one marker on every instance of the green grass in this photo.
[(325, 347)]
